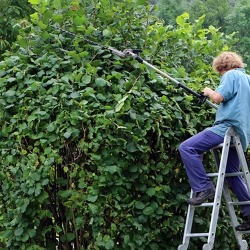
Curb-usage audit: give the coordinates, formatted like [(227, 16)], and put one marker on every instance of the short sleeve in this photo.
[(228, 85)]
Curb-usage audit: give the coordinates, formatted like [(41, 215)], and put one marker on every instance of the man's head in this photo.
[(226, 61)]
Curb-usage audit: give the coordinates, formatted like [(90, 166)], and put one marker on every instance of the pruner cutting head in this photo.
[(117, 52), (125, 53), (130, 52)]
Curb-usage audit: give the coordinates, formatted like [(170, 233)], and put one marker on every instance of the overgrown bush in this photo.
[(88, 139)]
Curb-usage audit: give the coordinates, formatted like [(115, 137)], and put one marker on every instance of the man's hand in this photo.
[(213, 95)]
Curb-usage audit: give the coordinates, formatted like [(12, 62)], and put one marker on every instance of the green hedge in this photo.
[(89, 140)]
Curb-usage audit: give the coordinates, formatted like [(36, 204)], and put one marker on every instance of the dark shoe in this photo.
[(245, 226), (200, 197)]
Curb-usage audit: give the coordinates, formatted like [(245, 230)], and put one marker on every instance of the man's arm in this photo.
[(213, 95)]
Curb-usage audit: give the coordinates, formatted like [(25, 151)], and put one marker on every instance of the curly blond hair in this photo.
[(227, 60)]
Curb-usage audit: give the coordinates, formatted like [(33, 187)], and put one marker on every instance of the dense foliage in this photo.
[(88, 139)]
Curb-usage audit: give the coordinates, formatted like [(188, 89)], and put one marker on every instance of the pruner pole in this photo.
[(201, 97)]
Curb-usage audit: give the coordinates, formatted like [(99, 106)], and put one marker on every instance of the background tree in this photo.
[(169, 10), (215, 12), (228, 15), (10, 15), (237, 21)]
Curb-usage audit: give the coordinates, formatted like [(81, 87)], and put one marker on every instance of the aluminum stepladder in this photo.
[(231, 139)]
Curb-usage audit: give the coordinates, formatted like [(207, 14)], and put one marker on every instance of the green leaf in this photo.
[(67, 134), (150, 191), (106, 32), (34, 16), (74, 95), (120, 103), (57, 4), (11, 79), (126, 239), (139, 205), (24, 205), (35, 2), (112, 169), (131, 147), (18, 231), (86, 79), (100, 82), (92, 198), (10, 93), (79, 20), (51, 127), (180, 20), (68, 237), (79, 220), (108, 243), (32, 232), (133, 169), (148, 211), (93, 208)]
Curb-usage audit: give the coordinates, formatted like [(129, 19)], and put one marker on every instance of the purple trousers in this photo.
[(191, 152)]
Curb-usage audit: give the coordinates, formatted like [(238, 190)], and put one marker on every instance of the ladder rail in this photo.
[(230, 204), (228, 199), (219, 188), (243, 161), (188, 225)]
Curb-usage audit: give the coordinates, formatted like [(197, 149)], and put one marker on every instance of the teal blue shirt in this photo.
[(234, 111)]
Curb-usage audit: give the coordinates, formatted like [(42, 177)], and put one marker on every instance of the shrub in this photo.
[(89, 140)]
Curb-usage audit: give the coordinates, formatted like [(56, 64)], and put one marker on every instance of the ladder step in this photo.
[(243, 232), (226, 175), (234, 203), (239, 203), (218, 146), (205, 204), (198, 235), (221, 146)]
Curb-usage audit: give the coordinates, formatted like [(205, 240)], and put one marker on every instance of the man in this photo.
[(233, 95)]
